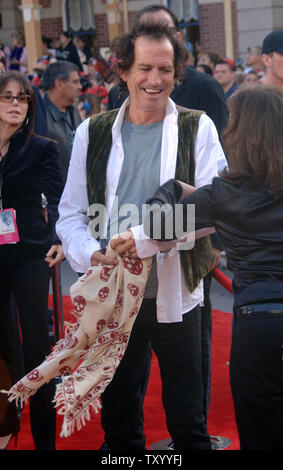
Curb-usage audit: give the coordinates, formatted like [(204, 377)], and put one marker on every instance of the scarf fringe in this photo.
[(70, 425), (20, 398)]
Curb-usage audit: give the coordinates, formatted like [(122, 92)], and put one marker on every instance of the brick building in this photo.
[(250, 20)]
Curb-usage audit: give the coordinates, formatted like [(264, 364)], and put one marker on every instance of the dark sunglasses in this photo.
[(9, 98)]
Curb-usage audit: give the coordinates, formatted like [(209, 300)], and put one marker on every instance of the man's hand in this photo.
[(54, 256), (98, 257), (125, 245)]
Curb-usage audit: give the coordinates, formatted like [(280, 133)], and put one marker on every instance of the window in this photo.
[(80, 16), (187, 11)]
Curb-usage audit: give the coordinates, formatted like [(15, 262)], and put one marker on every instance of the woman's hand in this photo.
[(125, 245), (54, 256), (187, 189), (98, 257), (217, 258)]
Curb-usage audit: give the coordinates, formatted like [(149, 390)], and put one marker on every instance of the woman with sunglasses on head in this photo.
[(28, 168), (245, 206)]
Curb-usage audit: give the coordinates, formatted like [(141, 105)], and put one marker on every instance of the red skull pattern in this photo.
[(134, 290), (79, 303), (103, 294), (65, 370), (106, 273), (112, 324), (34, 376), (134, 266), (100, 324)]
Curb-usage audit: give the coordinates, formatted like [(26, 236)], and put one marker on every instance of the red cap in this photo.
[(230, 62)]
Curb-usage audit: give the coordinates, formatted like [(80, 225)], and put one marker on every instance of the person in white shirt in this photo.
[(148, 144)]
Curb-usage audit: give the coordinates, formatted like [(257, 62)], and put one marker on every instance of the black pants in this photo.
[(256, 374), (206, 336), (29, 282), (178, 349)]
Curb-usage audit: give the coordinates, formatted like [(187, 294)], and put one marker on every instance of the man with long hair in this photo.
[(124, 154)]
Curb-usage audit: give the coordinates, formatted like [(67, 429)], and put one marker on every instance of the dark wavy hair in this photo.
[(253, 140), (123, 47), (26, 88)]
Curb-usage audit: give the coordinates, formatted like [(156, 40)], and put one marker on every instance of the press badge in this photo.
[(8, 227)]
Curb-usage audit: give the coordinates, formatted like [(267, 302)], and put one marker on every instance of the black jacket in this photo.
[(249, 223), (197, 91), (69, 53), (40, 118), (61, 131), (29, 170)]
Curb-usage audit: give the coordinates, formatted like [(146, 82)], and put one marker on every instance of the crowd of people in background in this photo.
[(98, 74)]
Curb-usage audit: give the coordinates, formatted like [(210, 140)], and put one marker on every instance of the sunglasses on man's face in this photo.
[(9, 98)]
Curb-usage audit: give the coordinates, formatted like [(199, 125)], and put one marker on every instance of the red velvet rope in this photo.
[(223, 280)]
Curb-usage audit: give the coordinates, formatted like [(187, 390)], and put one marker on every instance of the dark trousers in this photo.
[(256, 374), (206, 335), (178, 349), (29, 283)]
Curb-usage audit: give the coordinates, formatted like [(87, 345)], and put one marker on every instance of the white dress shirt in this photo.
[(173, 297)]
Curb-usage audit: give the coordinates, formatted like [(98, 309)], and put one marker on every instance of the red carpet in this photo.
[(221, 420)]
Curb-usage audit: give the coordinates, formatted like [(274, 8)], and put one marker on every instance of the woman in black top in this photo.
[(245, 206), (28, 168)]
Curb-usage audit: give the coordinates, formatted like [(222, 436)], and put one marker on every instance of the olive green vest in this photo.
[(197, 262)]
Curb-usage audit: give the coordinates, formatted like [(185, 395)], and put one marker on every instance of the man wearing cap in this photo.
[(272, 57), (225, 74)]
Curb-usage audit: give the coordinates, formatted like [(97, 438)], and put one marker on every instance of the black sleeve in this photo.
[(116, 98), (52, 184), (216, 243), (166, 197), (201, 91), (77, 61), (40, 119), (213, 102), (74, 57), (112, 98)]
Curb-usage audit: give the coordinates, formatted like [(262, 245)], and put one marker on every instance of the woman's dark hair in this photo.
[(26, 88), (123, 47), (253, 140)]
